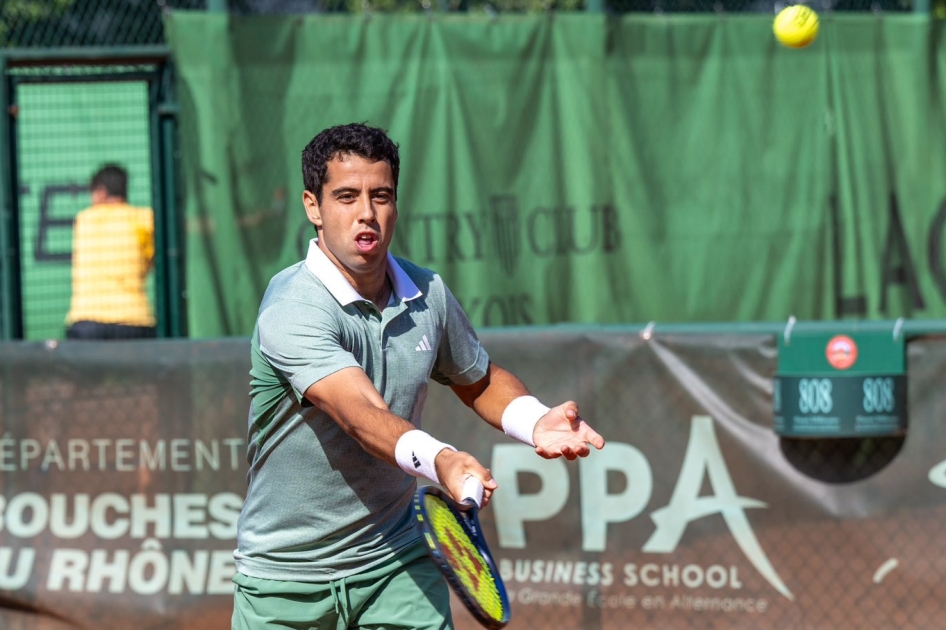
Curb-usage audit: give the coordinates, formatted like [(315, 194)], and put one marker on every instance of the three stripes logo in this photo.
[(423, 346)]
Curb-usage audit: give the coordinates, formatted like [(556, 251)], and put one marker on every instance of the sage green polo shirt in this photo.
[(318, 507)]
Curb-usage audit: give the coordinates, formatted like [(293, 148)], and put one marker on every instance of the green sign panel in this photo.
[(841, 384)]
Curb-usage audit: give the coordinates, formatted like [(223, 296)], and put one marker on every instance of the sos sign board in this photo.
[(842, 383)]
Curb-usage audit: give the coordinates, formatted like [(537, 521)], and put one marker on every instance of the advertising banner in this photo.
[(122, 474)]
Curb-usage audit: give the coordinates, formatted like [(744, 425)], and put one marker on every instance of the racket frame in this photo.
[(467, 518)]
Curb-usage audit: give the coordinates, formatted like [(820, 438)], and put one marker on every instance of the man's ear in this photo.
[(312, 209), (98, 195)]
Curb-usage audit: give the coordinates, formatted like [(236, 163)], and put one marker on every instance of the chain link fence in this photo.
[(275, 7), (48, 107), (54, 23), (57, 24), (70, 120), (49, 23)]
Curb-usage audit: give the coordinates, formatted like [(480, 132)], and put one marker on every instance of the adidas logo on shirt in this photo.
[(423, 346)]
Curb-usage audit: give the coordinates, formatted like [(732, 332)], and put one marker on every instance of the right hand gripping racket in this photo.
[(452, 534)]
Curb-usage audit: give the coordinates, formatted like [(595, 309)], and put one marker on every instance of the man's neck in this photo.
[(110, 201), (382, 296), (375, 288)]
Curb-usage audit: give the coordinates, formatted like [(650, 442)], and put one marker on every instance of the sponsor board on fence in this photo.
[(122, 474)]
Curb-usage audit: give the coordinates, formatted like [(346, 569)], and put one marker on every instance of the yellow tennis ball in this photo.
[(796, 26)]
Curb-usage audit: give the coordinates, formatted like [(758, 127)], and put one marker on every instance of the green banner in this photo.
[(583, 168), (123, 472)]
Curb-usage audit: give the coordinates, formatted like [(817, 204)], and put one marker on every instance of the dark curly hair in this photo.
[(113, 178), (370, 143)]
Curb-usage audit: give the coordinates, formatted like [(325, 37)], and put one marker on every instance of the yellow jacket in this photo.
[(112, 252)]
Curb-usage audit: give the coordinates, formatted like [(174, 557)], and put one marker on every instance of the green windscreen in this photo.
[(583, 168)]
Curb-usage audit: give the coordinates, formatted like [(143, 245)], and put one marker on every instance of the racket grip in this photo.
[(472, 491)]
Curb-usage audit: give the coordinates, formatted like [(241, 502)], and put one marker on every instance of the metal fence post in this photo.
[(159, 207), (11, 325), (167, 132), (168, 286)]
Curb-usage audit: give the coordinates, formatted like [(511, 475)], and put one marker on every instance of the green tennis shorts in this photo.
[(408, 591)]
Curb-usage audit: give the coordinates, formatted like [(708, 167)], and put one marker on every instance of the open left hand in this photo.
[(562, 433)]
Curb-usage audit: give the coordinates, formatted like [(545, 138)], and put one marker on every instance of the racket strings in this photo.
[(467, 562)]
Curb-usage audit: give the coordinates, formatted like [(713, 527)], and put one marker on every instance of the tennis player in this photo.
[(345, 345)]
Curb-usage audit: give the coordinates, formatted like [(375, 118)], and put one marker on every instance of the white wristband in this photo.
[(521, 416), (416, 451)]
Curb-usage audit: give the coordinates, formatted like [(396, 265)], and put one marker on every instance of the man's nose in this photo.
[(366, 209)]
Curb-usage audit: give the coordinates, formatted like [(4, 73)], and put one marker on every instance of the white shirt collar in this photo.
[(325, 270)]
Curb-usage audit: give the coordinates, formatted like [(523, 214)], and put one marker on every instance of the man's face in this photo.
[(356, 217)]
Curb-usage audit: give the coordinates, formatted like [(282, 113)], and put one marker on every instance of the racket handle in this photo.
[(472, 491)]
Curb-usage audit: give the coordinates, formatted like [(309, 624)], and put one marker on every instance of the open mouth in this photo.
[(366, 241)]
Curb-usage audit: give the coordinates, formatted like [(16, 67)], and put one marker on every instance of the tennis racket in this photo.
[(452, 534)]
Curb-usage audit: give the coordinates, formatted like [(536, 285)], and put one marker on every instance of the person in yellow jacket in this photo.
[(112, 253)]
